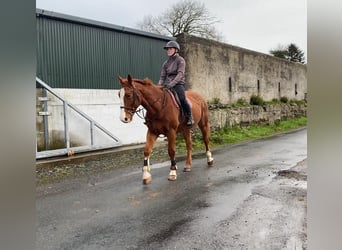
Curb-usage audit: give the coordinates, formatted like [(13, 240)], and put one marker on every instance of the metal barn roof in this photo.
[(75, 19)]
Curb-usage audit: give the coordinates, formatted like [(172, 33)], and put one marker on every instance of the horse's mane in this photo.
[(145, 81)]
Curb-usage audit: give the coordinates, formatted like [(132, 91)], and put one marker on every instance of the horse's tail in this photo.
[(205, 111), (202, 103)]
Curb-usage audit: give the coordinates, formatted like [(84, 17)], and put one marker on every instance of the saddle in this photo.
[(174, 97), (177, 103)]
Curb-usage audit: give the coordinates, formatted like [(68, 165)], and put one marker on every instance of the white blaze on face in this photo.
[(122, 104)]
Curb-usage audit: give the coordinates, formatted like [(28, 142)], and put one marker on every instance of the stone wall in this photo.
[(228, 73), (229, 117)]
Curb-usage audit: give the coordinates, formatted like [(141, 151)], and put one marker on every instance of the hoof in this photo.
[(173, 174), (210, 163), (147, 181), (187, 170), (172, 177)]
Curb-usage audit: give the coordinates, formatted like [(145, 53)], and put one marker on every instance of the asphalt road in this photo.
[(254, 197)]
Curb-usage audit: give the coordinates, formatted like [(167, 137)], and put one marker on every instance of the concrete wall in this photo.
[(226, 72)]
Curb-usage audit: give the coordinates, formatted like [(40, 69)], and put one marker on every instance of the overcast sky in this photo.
[(259, 25)]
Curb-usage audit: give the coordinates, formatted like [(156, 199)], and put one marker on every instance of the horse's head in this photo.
[(129, 99)]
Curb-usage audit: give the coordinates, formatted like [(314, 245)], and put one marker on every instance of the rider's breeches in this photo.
[(179, 88)]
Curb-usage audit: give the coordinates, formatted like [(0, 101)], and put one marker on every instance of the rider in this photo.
[(173, 77)]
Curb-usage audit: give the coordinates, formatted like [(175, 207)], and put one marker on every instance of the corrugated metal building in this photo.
[(74, 52)]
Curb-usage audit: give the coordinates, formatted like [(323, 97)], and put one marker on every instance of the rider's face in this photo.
[(170, 51)]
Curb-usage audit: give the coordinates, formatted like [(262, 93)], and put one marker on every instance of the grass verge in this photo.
[(237, 134)]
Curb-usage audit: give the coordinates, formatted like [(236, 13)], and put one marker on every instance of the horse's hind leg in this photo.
[(171, 138), (188, 141), (205, 129), (150, 141)]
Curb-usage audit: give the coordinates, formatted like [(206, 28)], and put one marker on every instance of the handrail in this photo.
[(93, 123)]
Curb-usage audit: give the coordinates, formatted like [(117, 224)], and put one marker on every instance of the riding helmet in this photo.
[(172, 44)]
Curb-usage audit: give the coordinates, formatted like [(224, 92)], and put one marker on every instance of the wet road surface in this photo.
[(254, 197)]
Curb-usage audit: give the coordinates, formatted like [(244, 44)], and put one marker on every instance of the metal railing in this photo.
[(68, 149)]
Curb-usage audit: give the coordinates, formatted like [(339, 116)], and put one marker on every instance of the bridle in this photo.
[(132, 109)]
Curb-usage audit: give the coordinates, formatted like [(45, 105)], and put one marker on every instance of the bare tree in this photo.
[(186, 16)]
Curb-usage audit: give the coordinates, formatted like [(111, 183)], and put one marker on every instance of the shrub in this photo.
[(242, 102), (216, 100), (284, 99), (256, 100), (298, 102)]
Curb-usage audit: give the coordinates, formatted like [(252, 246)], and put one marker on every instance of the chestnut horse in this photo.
[(163, 117)]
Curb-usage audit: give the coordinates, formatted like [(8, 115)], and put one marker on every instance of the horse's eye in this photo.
[(127, 96)]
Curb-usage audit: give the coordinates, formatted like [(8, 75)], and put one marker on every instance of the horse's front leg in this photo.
[(150, 141), (171, 138)]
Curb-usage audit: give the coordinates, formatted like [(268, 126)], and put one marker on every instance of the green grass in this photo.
[(237, 134)]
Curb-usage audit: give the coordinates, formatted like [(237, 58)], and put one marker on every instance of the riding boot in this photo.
[(189, 119)]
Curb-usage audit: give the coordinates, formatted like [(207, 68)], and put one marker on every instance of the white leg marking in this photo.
[(209, 158), (173, 172), (146, 169), (146, 173)]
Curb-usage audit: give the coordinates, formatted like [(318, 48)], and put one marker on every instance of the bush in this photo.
[(241, 102), (216, 100), (256, 100), (298, 102), (284, 99)]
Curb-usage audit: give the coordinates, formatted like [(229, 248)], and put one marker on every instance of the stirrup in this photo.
[(189, 122)]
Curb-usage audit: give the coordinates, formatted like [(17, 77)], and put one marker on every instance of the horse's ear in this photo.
[(120, 79), (129, 80)]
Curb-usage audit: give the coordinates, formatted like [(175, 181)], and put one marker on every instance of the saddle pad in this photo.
[(176, 101)]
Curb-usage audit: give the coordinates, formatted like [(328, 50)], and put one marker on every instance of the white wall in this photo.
[(101, 105)]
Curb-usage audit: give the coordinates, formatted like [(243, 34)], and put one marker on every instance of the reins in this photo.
[(162, 107), (150, 120)]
